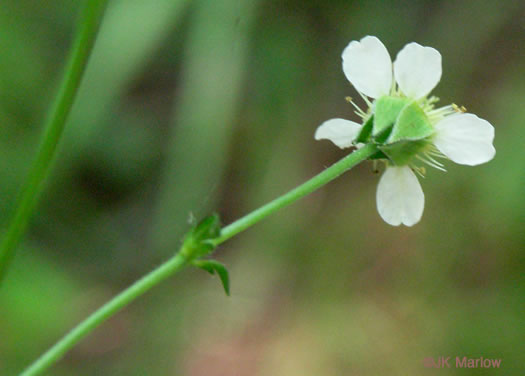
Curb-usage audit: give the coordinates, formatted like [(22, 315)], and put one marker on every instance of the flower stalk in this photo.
[(189, 253), (308, 187), (90, 19), (144, 284)]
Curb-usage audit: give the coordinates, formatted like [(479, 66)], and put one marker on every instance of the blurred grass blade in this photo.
[(212, 76), (59, 111), (131, 33)]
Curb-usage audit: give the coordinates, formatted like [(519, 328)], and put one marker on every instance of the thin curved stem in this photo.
[(85, 38), (177, 262), (304, 189), (151, 279)]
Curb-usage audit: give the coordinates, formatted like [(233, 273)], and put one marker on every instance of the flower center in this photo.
[(400, 127)]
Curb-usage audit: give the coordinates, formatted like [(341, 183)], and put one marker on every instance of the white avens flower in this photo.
[(402, 121), (340, 131)]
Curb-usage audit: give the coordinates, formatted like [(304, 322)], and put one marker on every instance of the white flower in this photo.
[(340, 131), (404, 124)]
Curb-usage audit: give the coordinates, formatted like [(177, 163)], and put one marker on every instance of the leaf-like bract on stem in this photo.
[(212, 267)]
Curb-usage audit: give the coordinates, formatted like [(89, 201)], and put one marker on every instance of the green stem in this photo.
[(180, 260), (85, 38), (304, 189), (151, 279)]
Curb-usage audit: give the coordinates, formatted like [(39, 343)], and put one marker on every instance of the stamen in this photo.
[(439, 113), (433, 99), (360, 114), (442, 111), (420, 170), (427, 155), (375, 169), (427, 104), (393, 88), (428, 162), (457, 108), (368, 103), (437, 155), (434, 151), (359, 111)]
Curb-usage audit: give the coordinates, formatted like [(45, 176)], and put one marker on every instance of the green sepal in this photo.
[(386, 112), (412, 124), (198, 242), (212, 267), (208, 228), (378, 155), (365, 132), (401, 153)]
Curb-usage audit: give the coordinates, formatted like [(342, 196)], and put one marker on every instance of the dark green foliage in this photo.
[(212, 267), (198, 242)]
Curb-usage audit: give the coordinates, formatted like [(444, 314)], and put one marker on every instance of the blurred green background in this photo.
[(193, 106)]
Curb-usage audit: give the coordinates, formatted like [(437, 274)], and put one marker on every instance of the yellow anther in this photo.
[(420, 170), (458, 108), (348, 99)]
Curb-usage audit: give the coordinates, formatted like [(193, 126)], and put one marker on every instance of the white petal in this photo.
[(400, 199), (340, 131), (367, 65), (465, 139), (417, 70)]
